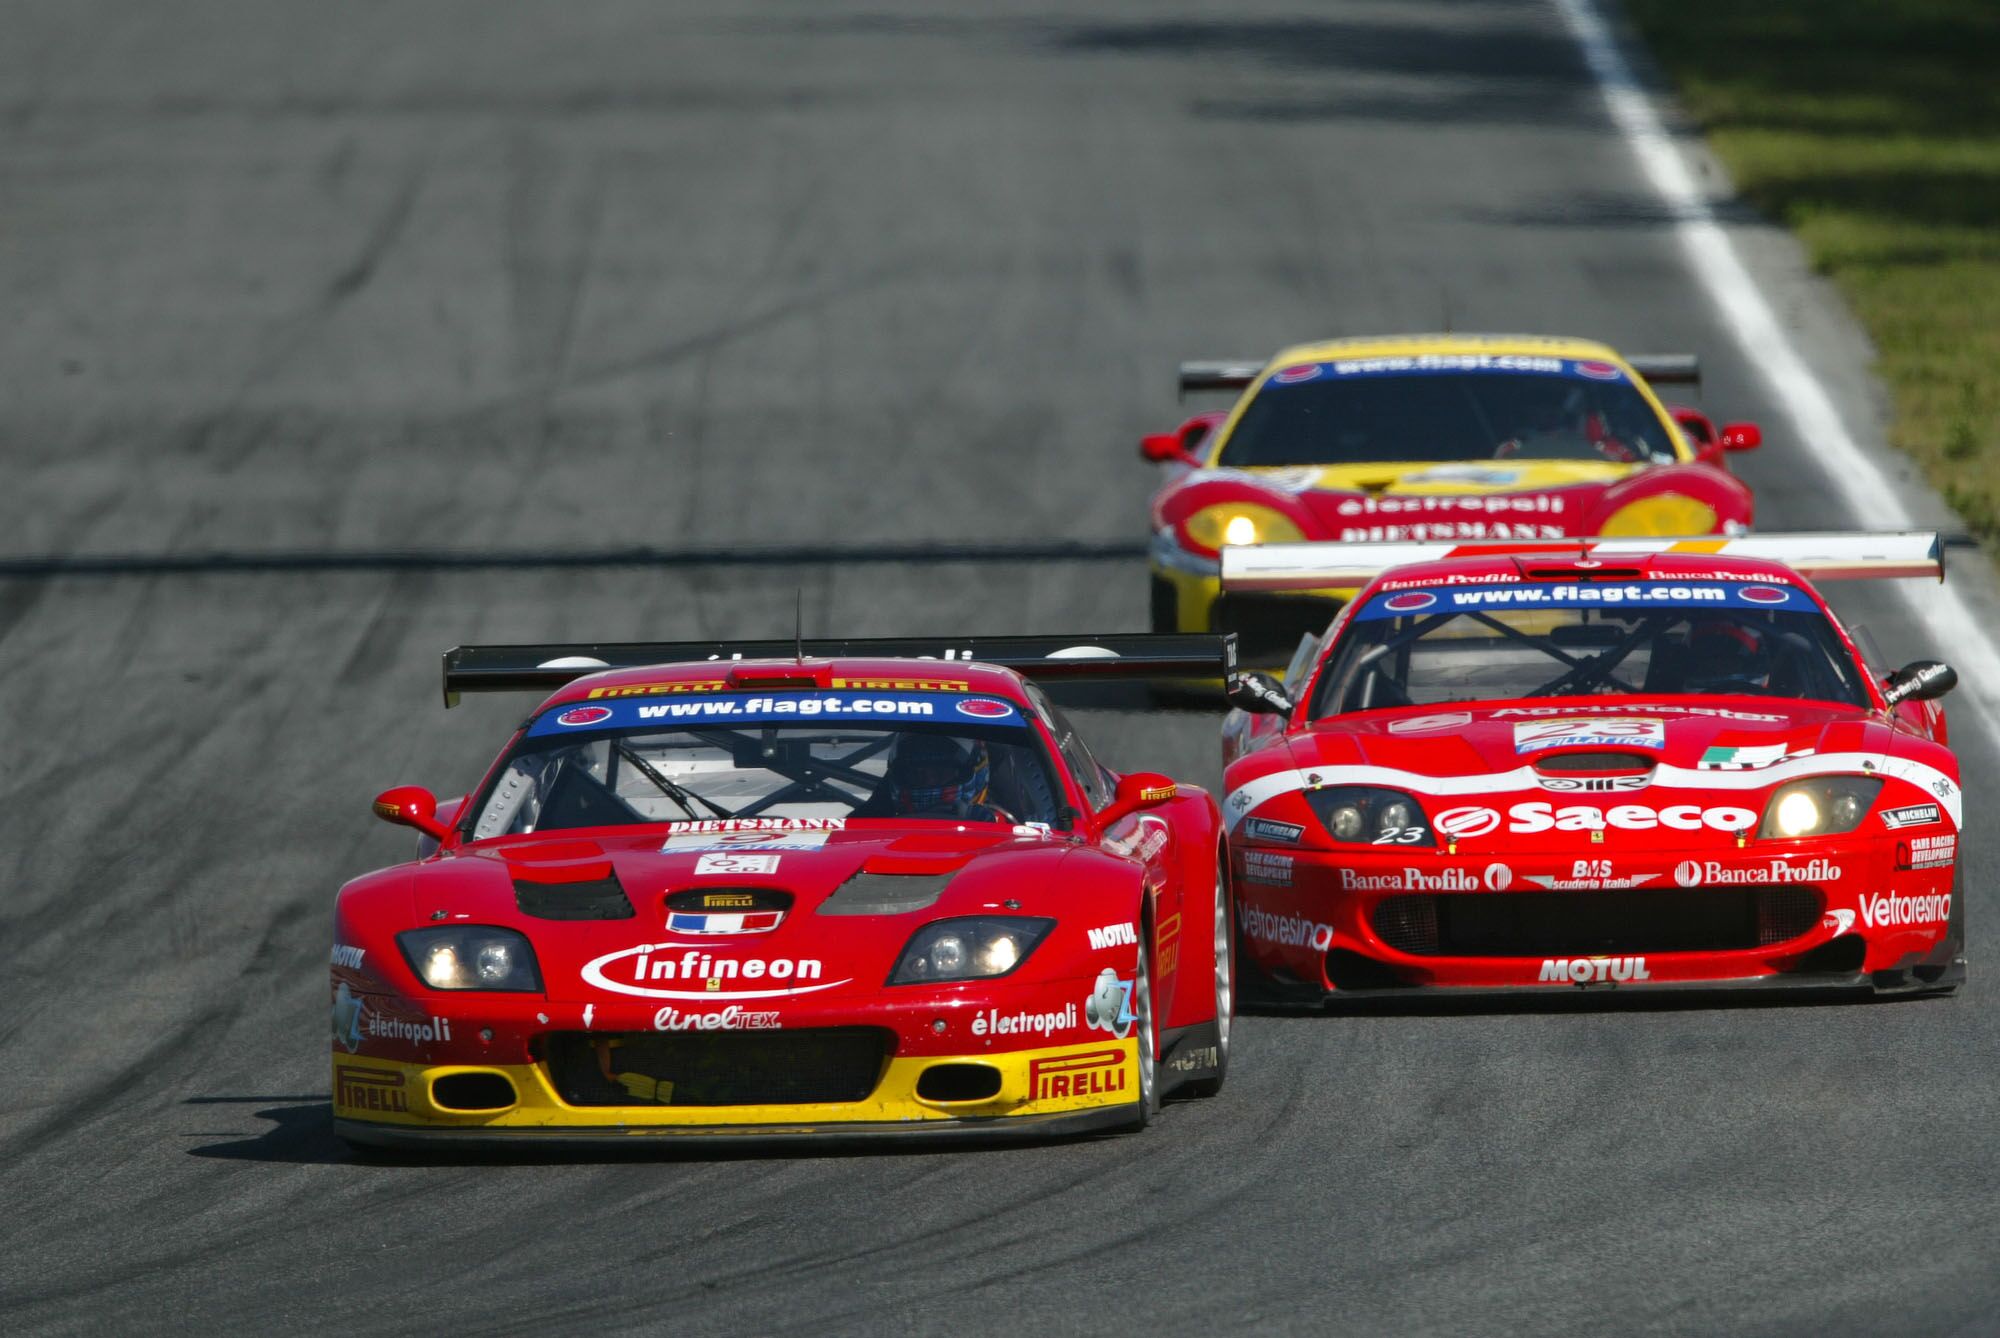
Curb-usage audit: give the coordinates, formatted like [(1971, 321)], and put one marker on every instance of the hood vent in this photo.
[(592, 899), (1595, 764), (885, 894)]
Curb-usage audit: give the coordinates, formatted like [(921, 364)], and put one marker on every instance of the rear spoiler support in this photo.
[(1828, 556), (1111, 658), (1662, 369)]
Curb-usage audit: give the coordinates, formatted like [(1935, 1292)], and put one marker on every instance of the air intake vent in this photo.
[(1595, 764), (885, 894), (592, 899)]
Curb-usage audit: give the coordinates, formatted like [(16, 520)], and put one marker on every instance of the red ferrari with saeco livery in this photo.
[(773, 891), (1630, 763)]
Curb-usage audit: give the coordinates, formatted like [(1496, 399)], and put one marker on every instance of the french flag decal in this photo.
[(710, 922)]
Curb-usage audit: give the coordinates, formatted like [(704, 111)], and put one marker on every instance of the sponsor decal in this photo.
[(1482, 476), (1764, 594), (584, 715), (993, 1022), (348, 957), (1890, 911), (1414, 602), (904, 684), (1590, 732), (1722, 758), (1521, 595), (1917, 815), (760, 825), (1411, 880), (1927, 852), (1541, 817), (1497, 878), (1594, 784), (1598, 371), (657, 689), (1158, 794), (1092, 1073), (1460, 823), (733, 1018), (348, 1012), (1305, 371), (644, 969), (731, 863), (1591, 875), (1437, 363), (1423, 724), (739, 708), (738, 841), (1499, 504), (589, 1011), (732, 922), (381, 1027), (1445, 530), (1650, 708), (1113, 936), (1289, 931), (1593, 970), (1109, 1007), (1263, 829), (1268, 867), (359, 1088), (983, 708), (1839, 920), (1191, 1061), (1708, 873)]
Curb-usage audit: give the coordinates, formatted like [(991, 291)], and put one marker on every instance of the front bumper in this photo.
[(1321, 924)]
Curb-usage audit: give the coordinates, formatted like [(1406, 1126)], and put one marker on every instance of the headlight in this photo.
[(1820, 806), (1238, 523), (974, 948), (472, 957), (1667, 513), (1366, 815)]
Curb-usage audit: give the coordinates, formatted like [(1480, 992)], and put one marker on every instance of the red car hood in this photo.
[(847, 899)]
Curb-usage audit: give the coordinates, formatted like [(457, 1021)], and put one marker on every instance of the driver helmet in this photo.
[(933, 773), (1727, 656)]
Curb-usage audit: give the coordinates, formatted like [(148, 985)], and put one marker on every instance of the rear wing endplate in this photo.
[(1228, 374), (1193, 661), (1829, 556), (1661, 369)]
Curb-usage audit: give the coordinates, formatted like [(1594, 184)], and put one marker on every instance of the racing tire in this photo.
[(1225, 985), (1146, 1033)]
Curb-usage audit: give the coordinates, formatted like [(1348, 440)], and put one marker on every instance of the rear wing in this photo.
[(1193, 662), (1829, 556), (1659, 369)]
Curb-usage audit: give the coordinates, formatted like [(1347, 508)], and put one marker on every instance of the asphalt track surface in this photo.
[(507, 278)]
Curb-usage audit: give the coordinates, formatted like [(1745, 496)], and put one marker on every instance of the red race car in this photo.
[(1632, 763), (1434, 437), (730, 890)]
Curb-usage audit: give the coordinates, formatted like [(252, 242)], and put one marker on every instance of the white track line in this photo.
[(1870, 494)]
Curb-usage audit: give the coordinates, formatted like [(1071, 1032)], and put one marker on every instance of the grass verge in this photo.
[(1871, 128)]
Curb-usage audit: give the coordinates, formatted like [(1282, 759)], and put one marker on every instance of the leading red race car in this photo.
[(1630, 763), (840, 892)]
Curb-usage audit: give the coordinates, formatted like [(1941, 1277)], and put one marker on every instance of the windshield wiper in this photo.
[(680, 794)]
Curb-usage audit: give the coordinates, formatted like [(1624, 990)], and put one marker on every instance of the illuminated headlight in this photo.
[(472, 957), (1239, 523), (972, 948), (1367, 815), (1821, 806)]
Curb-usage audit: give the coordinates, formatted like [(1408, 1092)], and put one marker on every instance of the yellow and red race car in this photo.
[(1424, 438)]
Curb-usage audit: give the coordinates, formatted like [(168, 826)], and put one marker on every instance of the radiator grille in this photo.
[(1636, 920), (718, 1068)]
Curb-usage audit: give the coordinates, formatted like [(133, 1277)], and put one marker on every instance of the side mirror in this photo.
[(1258, 693), (411, 806), (1920, 680), (1695, 424), (1139, 789), (1162, 448), (1742, 437)]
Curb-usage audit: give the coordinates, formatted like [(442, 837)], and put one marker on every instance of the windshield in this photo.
[(791, 755), (1498, 642), (1448, 408)]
